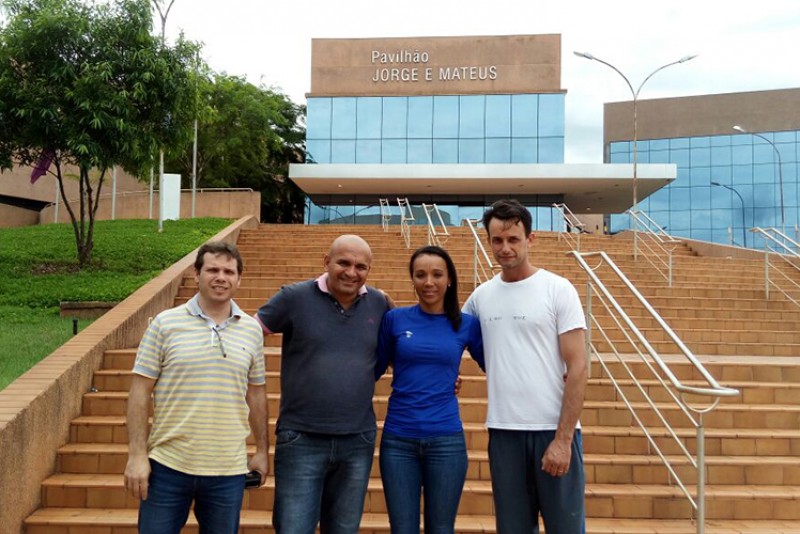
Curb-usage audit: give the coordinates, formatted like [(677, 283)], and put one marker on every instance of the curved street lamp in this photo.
[(635, 94), (780, 172), (744, 224)]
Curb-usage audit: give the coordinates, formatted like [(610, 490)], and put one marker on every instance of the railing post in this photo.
[(670, 269), (701, 476), (635, 239), (474, 264), (766, 268), (589, 329)]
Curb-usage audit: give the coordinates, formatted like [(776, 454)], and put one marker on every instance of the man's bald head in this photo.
[(347, 263), (350, 242)]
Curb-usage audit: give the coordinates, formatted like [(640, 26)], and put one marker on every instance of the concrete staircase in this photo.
[(716, 305)]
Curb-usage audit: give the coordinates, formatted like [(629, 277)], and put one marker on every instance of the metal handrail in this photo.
[(386, 213), (779, 246), (658, 245), (434, 234), (571, 222), (482, 267), (676, 390), (406, 220)]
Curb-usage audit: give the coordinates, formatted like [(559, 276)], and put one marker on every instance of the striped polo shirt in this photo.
[(200, 422)]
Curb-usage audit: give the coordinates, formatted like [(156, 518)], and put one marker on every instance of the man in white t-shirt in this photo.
[(533, 335)]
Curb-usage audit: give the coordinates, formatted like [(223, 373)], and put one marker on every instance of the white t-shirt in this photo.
[(520, 323)]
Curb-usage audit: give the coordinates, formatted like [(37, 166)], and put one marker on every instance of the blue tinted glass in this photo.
[(764, 195), (551, 115), (701, 198), (766, 217), (683, 179), (785, 137), (445, 151), (642, 156), (420, 151), (471, 116), (368, 118), (318, 151), (621, 146), (721, 140), (679, 156), (620, 157), (498, 116), (318, 118), (498, 150), (395, 118), (470, 151), (551, 150), (721, 155), (344, 119), (659, 156), (741, 139), (659, 201), (742, 154), (368, 151), (765, 173), (659, 144), (700, 142), (721, 198), (681, 142), (393, 151), (700, 156), (700, 176), (742, 174), (420, 117), (343, 151), (722, 175), (524, 151), (445, 118), (763, 152), (680, 198), (524, 114), (642, 145)]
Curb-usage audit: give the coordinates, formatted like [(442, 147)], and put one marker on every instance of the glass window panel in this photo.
[(445, 118), (343, 151), (471, 115), (721, 155), (702, 234), (683, 178), (470, 151), (678, 221), (551, 150), (343, 124), (619, 223), (318, 118), (764, 196), (721, 197), (659, 156), (620, 146), (700, 176), (765, 173), (659, 144), (679, 156), (445, 151), (498, 150), (524, 114), (763, 152), (395, 117), (701, 219), (680, 198), (699, 142), (420, 117), (680, 142), (368, 118), (785, 137), (498, 116), (642, 156), (700, 156), (551, 115), (766, 217), (721, 140), (393, 151), (318, 151), (741, 139), (420, 151), (742, 154), (620, 157), (368, 151), (742, 174), (642, 145), (701, 198), (524, 151), (659, 201), (722, 175)]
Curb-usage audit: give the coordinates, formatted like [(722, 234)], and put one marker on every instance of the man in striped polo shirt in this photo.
[(204, 364)]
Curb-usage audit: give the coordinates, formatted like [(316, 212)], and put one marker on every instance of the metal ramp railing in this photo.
[(406, 220), (574, 227), (435, 236), (781, 263), (691, 402), (482, 267), (386, 213), (655, 244)]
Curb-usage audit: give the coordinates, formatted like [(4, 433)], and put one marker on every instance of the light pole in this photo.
[(780, 172), (635, 94), (744, 224)]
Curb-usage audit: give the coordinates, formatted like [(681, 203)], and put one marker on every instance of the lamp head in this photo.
[(684, 59), (717, 184), (585, 55), (739, 129)]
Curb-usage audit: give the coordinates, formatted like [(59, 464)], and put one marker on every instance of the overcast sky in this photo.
[(741, 46)]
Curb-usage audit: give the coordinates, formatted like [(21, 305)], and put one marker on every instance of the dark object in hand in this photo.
[(252, 480)]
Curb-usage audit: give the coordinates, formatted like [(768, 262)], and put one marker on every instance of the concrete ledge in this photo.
[(37, 408)]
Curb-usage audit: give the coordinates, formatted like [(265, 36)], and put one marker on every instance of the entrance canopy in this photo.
[(593, 188)]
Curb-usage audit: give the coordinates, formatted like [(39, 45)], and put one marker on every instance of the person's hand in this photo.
[(458, 385), (137, 476), (556, 459), (260, 463), (389, 299)]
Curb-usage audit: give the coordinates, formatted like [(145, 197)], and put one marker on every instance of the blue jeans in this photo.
[(435, 467), (217, 502), (321, 478), (521, 490)]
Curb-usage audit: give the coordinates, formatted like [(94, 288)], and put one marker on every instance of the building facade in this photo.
[(728, 181)]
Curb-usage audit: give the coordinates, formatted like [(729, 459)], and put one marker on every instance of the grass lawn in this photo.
[(38, 269)]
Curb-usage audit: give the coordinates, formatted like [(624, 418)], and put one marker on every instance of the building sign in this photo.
[(436, 65)]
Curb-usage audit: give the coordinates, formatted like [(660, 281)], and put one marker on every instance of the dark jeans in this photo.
[(217, 502), (321, 478), (522, 490), (435, 467)]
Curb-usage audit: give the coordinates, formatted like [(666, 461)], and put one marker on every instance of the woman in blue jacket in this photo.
[(423, 450)]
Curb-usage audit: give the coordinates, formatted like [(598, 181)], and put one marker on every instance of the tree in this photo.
[(89, 86), (247, 137)]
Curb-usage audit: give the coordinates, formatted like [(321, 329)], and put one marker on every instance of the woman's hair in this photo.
[(451, 307)]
